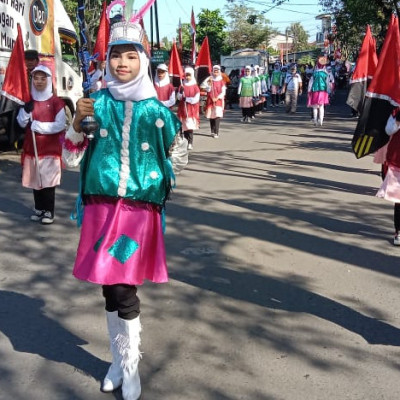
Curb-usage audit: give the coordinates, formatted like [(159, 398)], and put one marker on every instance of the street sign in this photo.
[(159, 56)]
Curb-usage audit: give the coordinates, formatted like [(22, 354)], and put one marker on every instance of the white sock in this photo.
[(321, 113)]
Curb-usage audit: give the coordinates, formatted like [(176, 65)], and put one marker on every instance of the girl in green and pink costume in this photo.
[(126, 172)]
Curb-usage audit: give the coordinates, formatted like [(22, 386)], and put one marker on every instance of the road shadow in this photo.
[(282, 295), (29, 330)]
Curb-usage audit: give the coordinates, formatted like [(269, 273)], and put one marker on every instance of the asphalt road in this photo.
[(284, 279)]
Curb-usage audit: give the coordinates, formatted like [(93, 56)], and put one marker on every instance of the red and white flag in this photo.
[(193, 33), (180, 42)]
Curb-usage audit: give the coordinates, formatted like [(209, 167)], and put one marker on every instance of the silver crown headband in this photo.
[(126, 32)]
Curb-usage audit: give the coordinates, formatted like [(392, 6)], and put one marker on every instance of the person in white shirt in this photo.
[(292, 87)]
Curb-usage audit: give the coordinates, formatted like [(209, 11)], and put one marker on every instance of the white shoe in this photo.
[(37, 216), (319, 122), (315, 122), (47, 218), (190, 146), (215, 136), (396, 240)]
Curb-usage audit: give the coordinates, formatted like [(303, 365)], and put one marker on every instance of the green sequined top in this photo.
[(128, 157)]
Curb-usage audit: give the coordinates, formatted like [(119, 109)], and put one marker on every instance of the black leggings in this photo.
[(396, 217), (188, 135), (214, 124), (44, 199), (246, 112), (122, 298)]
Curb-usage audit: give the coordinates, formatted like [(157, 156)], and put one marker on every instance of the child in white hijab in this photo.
[(126, 178), (44, 121), (215, 104), (188, 108), (162, 84)]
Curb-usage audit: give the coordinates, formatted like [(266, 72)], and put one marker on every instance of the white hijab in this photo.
[(164, 81), (216, 78), (140, 88), (48, 91), (190, 70)]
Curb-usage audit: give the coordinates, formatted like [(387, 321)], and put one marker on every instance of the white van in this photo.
[(47, 28)]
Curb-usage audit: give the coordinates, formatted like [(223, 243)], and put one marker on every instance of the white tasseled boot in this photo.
[(128, 342), (113, 379)]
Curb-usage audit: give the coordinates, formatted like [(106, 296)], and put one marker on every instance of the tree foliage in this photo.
[(92, 16), (211, 24), (352, 16), (299, 36), (248, 28)]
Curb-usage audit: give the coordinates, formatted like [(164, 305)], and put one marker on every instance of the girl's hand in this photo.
[(84, 108)]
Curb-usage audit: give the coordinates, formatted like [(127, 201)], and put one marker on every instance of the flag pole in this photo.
[(36, 157)]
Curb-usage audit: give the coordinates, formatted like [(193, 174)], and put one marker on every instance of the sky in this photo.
[(303, 11)]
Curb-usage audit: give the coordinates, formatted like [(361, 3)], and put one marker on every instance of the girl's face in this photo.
[(216, 72), (161, 74), (188, 77), (39, 80), (124, 62), (248, 72)]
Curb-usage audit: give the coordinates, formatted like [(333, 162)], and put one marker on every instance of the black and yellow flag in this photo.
[(383, 95)]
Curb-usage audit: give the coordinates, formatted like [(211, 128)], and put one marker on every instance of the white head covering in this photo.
[(164, 81), (219, 77), (48, 91), (163, 67), (141, 87), (190, 70)]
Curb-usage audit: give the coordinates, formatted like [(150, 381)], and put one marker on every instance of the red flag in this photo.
[(193, 33), (102, 35), (16, 85), (367, 60), (365, 69), (15, 91), (386, 82), (204, 58), (203, 63), (381, 98), (175, 67)]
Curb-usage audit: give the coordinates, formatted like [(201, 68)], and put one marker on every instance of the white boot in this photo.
[(113, 379), (128, 342)]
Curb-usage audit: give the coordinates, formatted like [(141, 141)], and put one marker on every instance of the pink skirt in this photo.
[(246, 102), (317, 99), (390, 188), (121, 242), (380, 154)]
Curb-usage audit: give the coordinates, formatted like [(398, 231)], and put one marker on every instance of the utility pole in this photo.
[(287, 46)]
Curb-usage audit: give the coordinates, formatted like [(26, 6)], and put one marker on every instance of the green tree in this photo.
[(186, 36), (299, 36), (248, 28), (351, 17), (167, 44), (212, 25), (92, 16)]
